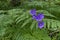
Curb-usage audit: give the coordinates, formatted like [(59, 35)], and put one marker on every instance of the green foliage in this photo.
[(17, 24)]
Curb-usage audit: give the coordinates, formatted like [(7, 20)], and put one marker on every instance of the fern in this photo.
[(17, 23)]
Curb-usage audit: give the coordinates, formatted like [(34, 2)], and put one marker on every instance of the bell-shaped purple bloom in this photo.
[(38, 17), (33, 12), (40, 25)]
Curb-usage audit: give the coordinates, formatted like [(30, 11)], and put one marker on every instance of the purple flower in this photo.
[(40, 25), (39, 17), (34, 17), (33, 12)]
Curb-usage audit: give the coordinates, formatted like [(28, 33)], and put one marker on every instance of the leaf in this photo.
[(35, 4), (35, 35), (52, 24), (32, 25), (49, 18), (26, 22), (5, 20)]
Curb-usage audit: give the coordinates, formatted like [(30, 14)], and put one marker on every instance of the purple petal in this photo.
[(33, 12), (34, 17), (39, 17), (40, 25)]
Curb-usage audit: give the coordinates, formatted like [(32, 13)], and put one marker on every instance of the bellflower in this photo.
[(33, 12), (40, 25), (38, 18)]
